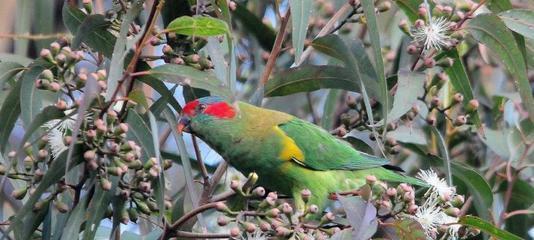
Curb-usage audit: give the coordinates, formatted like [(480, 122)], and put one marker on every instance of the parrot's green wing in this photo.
[(322, 151)]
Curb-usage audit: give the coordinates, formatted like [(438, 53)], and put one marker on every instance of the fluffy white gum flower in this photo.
[(433, 35), (436, 183)]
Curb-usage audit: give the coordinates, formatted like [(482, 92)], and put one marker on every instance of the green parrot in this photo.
[(287, 153)]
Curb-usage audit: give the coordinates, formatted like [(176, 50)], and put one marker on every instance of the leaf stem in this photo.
[(276, 49)]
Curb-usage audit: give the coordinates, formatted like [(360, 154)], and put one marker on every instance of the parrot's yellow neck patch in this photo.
[(290, 150)]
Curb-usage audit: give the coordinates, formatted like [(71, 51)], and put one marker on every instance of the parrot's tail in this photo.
[(384, 174)]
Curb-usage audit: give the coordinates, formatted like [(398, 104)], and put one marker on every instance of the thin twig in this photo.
[(276, 49), (28, 36), (223, 196), (182, 234), (201, 165), (517, 212), (127, 76), (217, 175), (176, 225)]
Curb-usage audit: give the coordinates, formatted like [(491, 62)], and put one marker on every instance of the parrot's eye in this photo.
[(201, 107)]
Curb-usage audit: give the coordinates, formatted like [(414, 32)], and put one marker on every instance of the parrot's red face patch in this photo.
[(217, 109)]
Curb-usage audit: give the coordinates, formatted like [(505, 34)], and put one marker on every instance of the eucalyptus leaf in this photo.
[(198, 26), (307, 78), (353, 55), (47, 114), (489, 30), (189, 76), (159, 188), (410, 8), (31, 98), (141, 133), (94, 27), (120, 50), (160, 87), (264, 34), (520, 21), (372, 26), (329, 108), (8, 70), (300, 13), (478, 223), (10, 112), (75, 220), (461, 83)]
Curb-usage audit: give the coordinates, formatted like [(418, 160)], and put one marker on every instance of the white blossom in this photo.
[(57, 130), (430, 215), (434, 34), (436, 183)]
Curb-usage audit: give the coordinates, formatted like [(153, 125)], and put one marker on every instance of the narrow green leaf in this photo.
[(489, 30), (160, 87), (487, 227), (10, 112), (119, 49), (75, 220), (329, 108), (300, 13), (8, 70), (333, 46), (140, 132), (22, 60), (198, 26), (47, 114), (477, 186), (460, 82), (444, 152), (94, 26), (522, 198), (97, 208), (138, 96), (187, 169), (520, 21), (95, 34), (409, 7), (159, 189), (307, 78), (264, 34), (352, 54), (31, 97), (497, 6), (24, 229), (372, 26), (189, 76)]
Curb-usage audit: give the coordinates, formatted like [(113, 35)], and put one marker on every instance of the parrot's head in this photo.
[(205, 112)]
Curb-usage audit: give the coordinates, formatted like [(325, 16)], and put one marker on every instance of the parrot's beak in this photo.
[(183, 124)]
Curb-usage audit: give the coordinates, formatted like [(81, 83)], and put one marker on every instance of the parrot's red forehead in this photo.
[(218, 109)]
